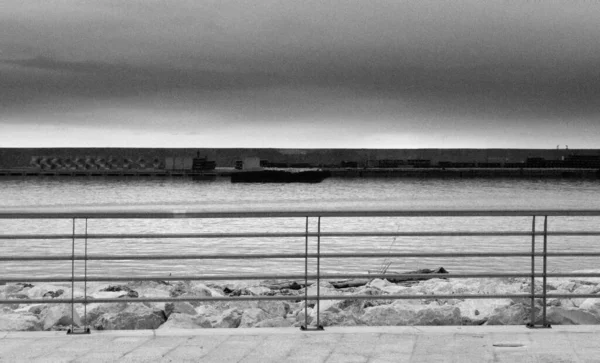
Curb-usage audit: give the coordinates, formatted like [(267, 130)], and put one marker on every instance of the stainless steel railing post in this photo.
[(532, 319), (545, 322), (305, 277), (72, 281), (319, 327), (85, 325)]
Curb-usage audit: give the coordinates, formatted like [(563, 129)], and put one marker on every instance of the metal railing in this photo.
[(86, 215)]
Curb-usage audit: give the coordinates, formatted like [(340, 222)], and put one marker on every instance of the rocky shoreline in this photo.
[(255, 314)]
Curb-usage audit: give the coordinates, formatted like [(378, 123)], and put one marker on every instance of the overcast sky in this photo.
[(289, 73)]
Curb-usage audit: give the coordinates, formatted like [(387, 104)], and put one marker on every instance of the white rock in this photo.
[(273, 323), (379, 283), (186, 321), (584, 289), (398, 290), (516, 314), (134, 316), (230, 318), (180, 307), (592, 305), (479, 310), (108, 294), (273, 308), (38, 291), (258, 290), (561, 316), (251, 317), (19, 322), (411, 314), (208, 311), (59, 315)]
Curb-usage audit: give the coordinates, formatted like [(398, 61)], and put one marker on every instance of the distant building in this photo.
[(251, 163)]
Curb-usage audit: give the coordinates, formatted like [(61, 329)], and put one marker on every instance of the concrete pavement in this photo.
[(335, 344)]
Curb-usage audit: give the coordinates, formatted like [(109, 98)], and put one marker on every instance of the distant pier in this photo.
[(429, 172), (110, 173)]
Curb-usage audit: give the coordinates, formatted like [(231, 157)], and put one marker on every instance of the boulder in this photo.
[(230, 318), (584, 289), (134, 316), (19, 322), (53, 294), (208, 311), (126, 290), (442, 315), (179, 308), (401, 313), (517, 314), (109, 294), (59, 315), (186, 321), (300, 317), (562, 316), (379, 284), (35, 309), (258, 290), (251, 317), (477, 311), (398, 290), (273, 308), (338, 318), (386, 315), (201, 290), (49, 291), (274, 323), (193, 290), (592, 305), (96, 310), (10, 289)]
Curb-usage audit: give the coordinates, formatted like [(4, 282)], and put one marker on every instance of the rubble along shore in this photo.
[(349, 311)]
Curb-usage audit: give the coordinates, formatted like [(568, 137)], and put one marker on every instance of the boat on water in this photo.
[(280, 176)]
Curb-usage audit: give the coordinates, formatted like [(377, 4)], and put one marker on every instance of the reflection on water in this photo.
[(173, 194)]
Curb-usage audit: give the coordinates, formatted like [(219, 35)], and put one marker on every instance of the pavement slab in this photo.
[(578, 344)]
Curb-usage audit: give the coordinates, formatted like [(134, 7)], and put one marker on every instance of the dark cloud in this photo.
[(381, 62)]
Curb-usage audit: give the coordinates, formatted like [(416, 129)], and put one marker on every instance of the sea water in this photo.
[(168, 194)]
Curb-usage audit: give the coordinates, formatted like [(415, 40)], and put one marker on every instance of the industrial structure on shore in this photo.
[(181, 162)]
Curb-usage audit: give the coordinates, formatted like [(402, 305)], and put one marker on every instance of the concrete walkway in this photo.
[(335, 344)]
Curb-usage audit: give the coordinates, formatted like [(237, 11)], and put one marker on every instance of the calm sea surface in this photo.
[(334, 193)]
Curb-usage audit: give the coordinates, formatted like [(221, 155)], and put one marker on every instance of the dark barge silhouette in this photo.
[(280, 176)]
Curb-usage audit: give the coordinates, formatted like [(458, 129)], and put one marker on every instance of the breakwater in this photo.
[(15, 158), (562, 173), (347, 309)]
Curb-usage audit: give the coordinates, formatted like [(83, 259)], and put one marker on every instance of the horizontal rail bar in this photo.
[(271, 277), (290, 235), (151, 236), (32, 213), (290, 297), (289, 256), (297, 297), (289, 277)]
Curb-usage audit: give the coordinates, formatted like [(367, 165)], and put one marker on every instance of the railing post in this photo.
[(72, 281), (544, 321), (305, 326), (86, 329), (531, 323), (318, 305), (319, 327)]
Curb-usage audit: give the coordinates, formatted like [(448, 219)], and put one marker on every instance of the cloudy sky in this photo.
[(289, 73)]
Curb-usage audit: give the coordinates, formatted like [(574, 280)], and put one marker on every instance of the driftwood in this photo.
[(291, 285), (394, 278)]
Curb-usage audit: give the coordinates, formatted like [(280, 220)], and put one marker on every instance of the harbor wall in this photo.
[(225, 157)]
